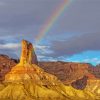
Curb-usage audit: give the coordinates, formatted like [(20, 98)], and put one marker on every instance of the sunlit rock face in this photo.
[(94, 86), (28, 54), (25, 67)]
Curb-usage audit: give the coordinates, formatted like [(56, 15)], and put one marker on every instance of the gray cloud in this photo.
[(75, 45), (10, 49), (24, 15), (27, 16)]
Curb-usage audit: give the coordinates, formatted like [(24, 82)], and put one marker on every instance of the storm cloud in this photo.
[(76, 44)]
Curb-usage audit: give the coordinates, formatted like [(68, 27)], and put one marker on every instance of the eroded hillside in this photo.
[(28, 81)]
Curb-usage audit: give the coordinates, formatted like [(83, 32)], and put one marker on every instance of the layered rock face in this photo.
[(67, 71), (6, 64), (28, 54), (95, 70)]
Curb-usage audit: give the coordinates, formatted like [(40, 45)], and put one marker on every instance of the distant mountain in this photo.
[(95, 70), (69, 71)]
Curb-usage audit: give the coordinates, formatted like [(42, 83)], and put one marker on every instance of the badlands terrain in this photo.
[(28, 79)]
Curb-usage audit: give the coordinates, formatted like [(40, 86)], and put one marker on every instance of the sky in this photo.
[(74, 35)]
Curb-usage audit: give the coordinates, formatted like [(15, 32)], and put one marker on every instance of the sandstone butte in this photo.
[(28, 81)]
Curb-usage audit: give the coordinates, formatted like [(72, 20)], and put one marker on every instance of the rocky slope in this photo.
[(95, 70), (27, 81), (68, 71), (6, 64), (78, 75)]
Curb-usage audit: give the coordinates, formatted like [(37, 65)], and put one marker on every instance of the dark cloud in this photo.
[(81, 16), (76, 44), (27, 16), (2, 42), (24, 15)]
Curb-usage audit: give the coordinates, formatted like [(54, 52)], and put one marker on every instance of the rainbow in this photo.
[(52, 19)]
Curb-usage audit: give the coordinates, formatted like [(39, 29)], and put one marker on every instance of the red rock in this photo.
[(66, 71), (28, 54), (6, 64)]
